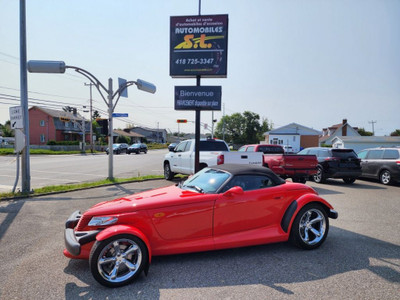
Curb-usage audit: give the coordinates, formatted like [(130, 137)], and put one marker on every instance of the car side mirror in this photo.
[(236, 190)]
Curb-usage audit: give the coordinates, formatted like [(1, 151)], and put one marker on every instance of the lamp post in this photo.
[(45, 66)]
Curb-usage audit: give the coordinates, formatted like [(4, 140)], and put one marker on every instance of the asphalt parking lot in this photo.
[(359, 260)]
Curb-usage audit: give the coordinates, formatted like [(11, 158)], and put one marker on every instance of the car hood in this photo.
[(157, 198)]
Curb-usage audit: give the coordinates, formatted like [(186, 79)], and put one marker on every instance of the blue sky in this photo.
[(310, 62)]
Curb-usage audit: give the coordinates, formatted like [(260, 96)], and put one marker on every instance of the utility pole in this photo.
[(373, 130), (91, 117)]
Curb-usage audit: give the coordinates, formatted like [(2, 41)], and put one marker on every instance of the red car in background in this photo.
[(295, 166), (219, 207)]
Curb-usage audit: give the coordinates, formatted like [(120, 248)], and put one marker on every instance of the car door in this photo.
[(373, 162), (187, 159), (175, 157), (259, 206)]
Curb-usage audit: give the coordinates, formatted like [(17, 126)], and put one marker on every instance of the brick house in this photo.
[(55, 125)]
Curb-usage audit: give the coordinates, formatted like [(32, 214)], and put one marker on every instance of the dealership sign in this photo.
[(197, 98), (199, 46)]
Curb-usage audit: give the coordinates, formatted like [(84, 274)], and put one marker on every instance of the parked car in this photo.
[(298, 167), (335, 163), (381, 163), (211, 152), (137, 148), (172, 146), (288, 149), (118, 148), (219, 207)]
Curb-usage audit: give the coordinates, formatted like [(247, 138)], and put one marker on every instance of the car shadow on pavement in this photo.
[(274, 266)]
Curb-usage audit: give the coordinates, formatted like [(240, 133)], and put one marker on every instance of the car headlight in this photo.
[(101, 221)]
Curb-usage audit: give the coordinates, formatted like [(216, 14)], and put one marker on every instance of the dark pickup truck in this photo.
[(297, 167)]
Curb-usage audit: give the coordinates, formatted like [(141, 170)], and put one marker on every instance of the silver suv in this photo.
[(381, 163)]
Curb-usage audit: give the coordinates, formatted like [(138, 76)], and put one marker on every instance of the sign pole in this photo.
[(25, 176), (197, 134), (110, 130)]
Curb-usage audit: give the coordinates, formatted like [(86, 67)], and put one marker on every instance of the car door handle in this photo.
[(277, 197)]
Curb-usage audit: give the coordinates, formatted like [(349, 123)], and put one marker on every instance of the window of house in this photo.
[(42, 138), (66, 124), (42, 123)]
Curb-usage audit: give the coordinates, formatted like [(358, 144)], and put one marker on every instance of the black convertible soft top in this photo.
[(237, 169)]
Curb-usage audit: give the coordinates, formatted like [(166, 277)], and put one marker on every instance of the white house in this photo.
[(338, 130), (295, 135), (358, 143)]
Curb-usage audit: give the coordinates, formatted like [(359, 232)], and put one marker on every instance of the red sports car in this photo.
[(219, 207)]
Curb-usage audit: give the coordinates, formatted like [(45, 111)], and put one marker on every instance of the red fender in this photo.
[(124, 229), (307, 198), (304, 200)]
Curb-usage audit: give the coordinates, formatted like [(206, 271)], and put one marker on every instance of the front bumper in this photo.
[(333, 214), (75, 240)]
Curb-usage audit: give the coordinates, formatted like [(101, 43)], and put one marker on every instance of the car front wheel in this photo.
[(310, 227), (118, 260), (385, 177), (168, 174)]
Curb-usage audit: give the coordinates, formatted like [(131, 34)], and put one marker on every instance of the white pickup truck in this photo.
[(212, 152)]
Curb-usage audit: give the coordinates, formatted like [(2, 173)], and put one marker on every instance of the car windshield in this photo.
[(115, 145), (135, 146), (206, 181)]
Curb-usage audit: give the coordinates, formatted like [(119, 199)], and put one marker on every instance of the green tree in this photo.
[(395, 133), (242, 128), (363, 132), (6, 129)]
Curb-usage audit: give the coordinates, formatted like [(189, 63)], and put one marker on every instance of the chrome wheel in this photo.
[(385, 177), (319, 177), (312, 227), (118, 260)]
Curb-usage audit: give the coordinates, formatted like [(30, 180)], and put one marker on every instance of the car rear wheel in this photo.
[(349, 180), (118, 260), (385, 177), (310, 227), (168, 174), (319, 177)]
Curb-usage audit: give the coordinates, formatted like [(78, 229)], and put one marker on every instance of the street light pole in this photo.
[(43, 66)]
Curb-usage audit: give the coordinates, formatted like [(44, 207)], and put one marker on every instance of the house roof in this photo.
[(58, 113), (130, 134), (293, 129), (338, 131)]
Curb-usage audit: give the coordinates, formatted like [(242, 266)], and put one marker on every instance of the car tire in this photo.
[(385, 177), (310, 227), (168, 174), (319, 177), (348, 180), (118, 260)]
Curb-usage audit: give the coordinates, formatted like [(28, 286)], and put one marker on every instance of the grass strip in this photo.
[(72, 187)]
